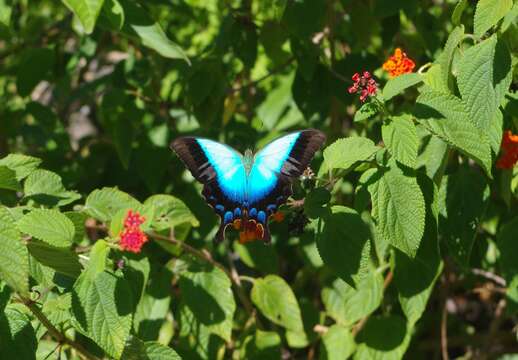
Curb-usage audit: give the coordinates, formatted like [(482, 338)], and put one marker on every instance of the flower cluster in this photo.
[(509, 148), (363, 84), (132, 237), (399, 64)]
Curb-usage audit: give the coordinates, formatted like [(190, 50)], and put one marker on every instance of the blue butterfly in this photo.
[(250, 186)]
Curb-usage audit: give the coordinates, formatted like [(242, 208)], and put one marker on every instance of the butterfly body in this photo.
[(245, 190)]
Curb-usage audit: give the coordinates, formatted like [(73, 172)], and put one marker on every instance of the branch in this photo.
[(55, 333)]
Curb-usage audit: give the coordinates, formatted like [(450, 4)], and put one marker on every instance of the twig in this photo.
[(490, 276), (55, 333), (255, 82), (494, 326), (360, 324)]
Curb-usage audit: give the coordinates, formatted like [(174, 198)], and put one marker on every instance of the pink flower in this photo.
[(132, 238), (364, 84)]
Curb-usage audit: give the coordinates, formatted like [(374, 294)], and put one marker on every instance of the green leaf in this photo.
[(344, 244), (415, 278), (23, 165), (316, 201), (400, 137), (399, 209), (446, 58), (57, 309), (98, 258), (446, 116), (14, 258), (344, 153), (397, 85), (257, 256), (113, 12), (8, 179), (50, 226), (337, 343), (139, 23), (78, 218), (346, 305), (277, 302), (488, 13), (263, 345), (383, 338), (28, 75), (484, 79), (367, 110), (208, 294), (457, 12), (103, 308), (103, 204), (62, 260), (156, 351), (153, 307), (17, 334), (496, 131), (433, 158), (170, 212), (45, 187), (86, 11), (463, 200)]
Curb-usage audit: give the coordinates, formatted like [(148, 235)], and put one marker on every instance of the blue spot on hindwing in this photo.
[(253, 212), (271, 208), (261, 217), (237, 213), (219, 208), (228, 217)]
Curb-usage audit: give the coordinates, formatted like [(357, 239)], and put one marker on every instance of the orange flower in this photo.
[(132, 237), (398, 64), (278, 216), (509, 147)]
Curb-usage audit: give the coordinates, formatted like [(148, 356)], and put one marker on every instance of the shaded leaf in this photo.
[(277, 302), (400, 137), (344, 244)]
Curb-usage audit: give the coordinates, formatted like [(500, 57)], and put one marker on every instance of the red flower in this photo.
[(398, 64), (132, 237), (509, 147), (364, 84)]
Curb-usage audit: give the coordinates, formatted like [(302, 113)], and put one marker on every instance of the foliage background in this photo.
[(92, 92)]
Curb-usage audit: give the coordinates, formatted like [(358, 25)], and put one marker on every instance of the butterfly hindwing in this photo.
[(220, 169), (275, 167)]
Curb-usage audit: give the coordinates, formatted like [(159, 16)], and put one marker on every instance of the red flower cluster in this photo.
[(364, 84), (399, 64), (509, 148), (132, 237)]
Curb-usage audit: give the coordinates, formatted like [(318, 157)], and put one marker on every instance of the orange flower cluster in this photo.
[(398, 64), (132, 237), (509, 148)]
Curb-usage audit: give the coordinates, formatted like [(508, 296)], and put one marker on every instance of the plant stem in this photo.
[(55, 333)]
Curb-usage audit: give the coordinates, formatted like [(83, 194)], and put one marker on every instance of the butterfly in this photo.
[(250, 187)]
